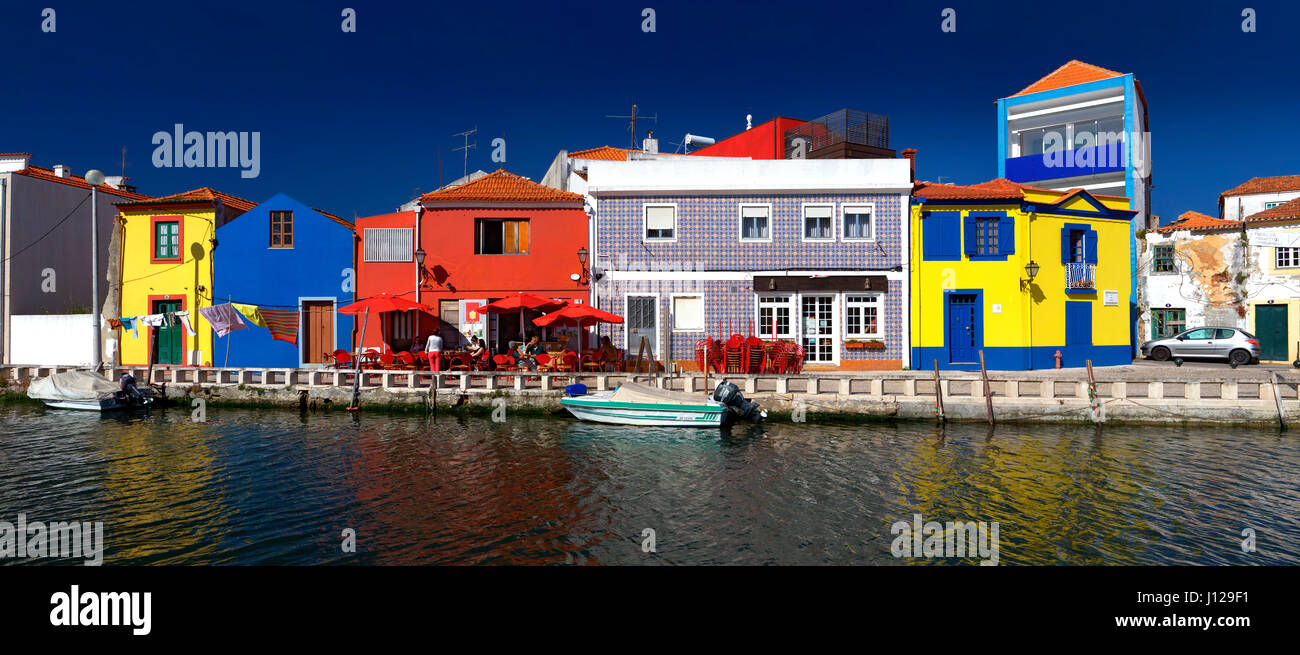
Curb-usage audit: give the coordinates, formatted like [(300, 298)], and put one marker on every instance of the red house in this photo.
[(466, 246)]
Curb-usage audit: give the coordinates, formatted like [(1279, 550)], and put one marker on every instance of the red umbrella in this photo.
[(519, 302), (384, 302), (579, 315)]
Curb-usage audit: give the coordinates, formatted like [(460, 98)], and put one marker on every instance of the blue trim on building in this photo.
[(947, 322), (1014, 358), (1002, 138)]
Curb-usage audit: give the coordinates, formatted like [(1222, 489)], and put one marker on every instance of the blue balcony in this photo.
[(1091, 160)]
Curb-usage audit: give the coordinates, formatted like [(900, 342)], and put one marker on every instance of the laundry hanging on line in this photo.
[(223, 318), (283, 323), (250, 313)]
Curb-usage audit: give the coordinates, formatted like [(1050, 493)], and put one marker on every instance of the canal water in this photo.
[(276, 487)]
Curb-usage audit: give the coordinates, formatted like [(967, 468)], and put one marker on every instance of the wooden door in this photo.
[(318, 331), (168, 342)]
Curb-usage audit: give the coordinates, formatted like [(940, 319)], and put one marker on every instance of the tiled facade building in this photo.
[(804, 250)]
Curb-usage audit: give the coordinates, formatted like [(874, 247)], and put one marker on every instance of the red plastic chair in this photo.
[(387, 360), (733, 354), (544, 363), (568, 362), (461, 362), (755, 352), (591, 364), (405, 361), (340, 358)]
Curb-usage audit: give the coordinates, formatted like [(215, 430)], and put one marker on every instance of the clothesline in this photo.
[(224, 319)]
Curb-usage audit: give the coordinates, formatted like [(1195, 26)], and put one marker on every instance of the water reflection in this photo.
[(264, 487)]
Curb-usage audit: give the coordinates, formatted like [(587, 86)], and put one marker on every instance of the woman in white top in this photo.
[(433, 346)]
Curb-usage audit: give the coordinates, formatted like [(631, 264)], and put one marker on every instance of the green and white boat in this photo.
[(639, 404)]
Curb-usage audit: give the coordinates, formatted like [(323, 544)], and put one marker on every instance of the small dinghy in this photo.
[(89, 391), (639, 404)]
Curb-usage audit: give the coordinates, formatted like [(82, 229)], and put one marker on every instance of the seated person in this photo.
[(528, 352), (607, 353)]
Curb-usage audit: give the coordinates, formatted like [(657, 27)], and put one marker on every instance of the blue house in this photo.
[(283, 254)]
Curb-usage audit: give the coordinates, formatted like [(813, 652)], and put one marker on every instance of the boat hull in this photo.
[(602, 410)]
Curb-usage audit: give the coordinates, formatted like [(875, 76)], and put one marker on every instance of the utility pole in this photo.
[(632, 123), (467, 147), (95, 178)]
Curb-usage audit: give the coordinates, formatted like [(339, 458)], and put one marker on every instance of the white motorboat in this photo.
[(639, 404), (89, 391)]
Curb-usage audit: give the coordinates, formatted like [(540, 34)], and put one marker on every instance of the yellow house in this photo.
[(167, 246), (1018, 274)]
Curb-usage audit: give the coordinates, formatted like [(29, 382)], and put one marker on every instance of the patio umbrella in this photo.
[(383, 302), (519, 302), (579, 315)]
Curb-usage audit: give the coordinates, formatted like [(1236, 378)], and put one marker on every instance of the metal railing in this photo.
[(845, 125), (1080, 276)]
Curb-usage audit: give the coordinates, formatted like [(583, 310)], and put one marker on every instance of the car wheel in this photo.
[(1160, 353), (1240, 357)]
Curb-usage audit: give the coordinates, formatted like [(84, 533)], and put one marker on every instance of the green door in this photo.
[(1271, 328), (167, 341)]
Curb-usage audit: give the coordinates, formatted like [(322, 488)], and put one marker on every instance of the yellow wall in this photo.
[(1292, 330), (142, 279), (1022, 324)]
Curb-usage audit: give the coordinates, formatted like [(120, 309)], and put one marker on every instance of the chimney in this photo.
[(650, 144), (910, 155), (61, 170), (13, 161)]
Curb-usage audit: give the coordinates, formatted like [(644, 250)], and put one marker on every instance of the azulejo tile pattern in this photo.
[(707, 240)]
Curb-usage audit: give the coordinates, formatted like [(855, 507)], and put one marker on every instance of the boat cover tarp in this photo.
[(641, 393), (73, 385)]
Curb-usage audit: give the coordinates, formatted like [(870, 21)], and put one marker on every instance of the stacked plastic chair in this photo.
[(734, 354), (755, 355)]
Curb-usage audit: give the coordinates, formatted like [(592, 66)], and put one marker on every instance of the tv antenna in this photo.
[(467, 147), (632, 122)]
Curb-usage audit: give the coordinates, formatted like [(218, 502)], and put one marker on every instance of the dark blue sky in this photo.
[(353, 123)]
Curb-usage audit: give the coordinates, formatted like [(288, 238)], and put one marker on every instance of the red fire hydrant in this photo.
[(1058, 358)]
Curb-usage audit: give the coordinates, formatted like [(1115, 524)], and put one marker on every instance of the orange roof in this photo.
[(75, 180), (341, 221), (502, 186), (1265, 185), (993, 189), (1285, 211), (606, 153), (1196, 221), (199, 195), (1073, 72)]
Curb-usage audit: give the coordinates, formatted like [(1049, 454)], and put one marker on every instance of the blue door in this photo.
[(963, 328), (1078, 333)]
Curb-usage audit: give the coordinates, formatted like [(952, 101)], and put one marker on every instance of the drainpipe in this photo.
[(419, 212)]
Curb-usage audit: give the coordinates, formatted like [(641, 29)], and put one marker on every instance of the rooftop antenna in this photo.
[(632, 123), (467, 147)]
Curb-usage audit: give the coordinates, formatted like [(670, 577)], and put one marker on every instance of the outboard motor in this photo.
[(133, 394), (729, 394)]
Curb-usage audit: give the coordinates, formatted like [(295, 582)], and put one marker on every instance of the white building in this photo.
[(1205, 271)]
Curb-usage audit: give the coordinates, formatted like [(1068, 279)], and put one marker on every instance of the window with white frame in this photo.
[(755, 223), (774, 317), (818, 222), (660, 222), (862, 316), (1270, 205), (688, 313), (859, 222), (1286, 257)]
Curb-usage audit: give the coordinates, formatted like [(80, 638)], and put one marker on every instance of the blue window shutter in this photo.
[(929, 235), (969, 234), (1007, 235), (952, 235), (1090, 247), (1065, 245)]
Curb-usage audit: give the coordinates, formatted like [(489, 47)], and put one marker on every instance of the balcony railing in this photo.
[(845, 125), (1080, 277)]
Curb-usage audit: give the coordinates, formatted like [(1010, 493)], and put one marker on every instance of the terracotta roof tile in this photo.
[(1196, 221), (75, 180), (993, 189), (1265, 185), (199, 195), (501, 186), (606, 153), (1285, 211), (1073, 72)]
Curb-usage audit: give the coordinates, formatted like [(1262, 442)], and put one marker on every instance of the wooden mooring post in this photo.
[(988, 393), (1277, 399), (938, 395), (1093, 401)]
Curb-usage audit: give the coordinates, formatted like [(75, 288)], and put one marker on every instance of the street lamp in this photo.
[(1031, 270), (419, 265), (582, 265), (95, 178)]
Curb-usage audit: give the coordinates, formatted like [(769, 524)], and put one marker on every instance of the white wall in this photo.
[(51, 339), (1235, 207)]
